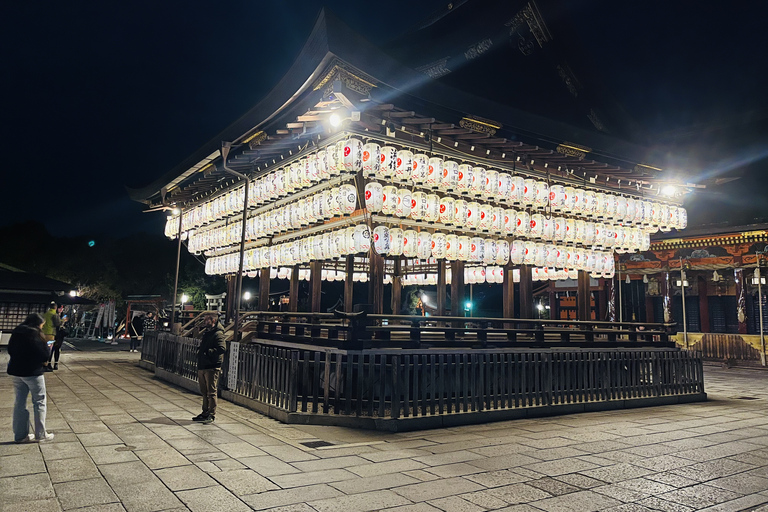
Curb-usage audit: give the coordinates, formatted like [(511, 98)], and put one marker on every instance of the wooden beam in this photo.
[(457, 288), (583, 297), (398, 115), (397, 287), (376, 283), (264, 289)]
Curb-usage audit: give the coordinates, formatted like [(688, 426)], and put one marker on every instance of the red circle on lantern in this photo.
[(366, 156)]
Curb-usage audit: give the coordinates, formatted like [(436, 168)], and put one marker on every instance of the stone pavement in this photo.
[(125, 441)]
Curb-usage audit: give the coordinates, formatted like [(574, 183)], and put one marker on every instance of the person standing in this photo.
[(29, 354), (150, 324), (58, 341), (51, 326), (137, 324), (210, 356)]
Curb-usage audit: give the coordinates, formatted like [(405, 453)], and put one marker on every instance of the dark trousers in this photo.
[(56, 350), (209, 380), (134, 342)]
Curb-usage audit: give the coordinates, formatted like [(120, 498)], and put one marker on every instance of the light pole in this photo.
[(683, 284), (176, 281), (757, 279)]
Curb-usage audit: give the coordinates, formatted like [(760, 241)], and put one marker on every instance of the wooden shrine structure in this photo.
[(358, 169)]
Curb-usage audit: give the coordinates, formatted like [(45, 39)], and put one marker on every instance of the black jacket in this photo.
[(210, 355), (28, 351)]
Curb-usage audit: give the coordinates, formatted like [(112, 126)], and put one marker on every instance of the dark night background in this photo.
[(103, 95)]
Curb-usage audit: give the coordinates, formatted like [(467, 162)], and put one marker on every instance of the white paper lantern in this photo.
[(537, 224), (410, 243), (332, 160), (510, 221), (489, 254), (460, 213), (517, 252), (629, 218), (432, 212), (496, 225), (362, 239), (464, 248), (502, 252), (404, 165), (485, 217), (541, 198), (589, 233), (388, 162), (464, 184), (374, 196), (404, 202), (420, 168), (529, 252), (418, 205), (505, 186), (523, 221), (447, 210), (347, 199), (517, 190), (389, 204), (491, 184), (449, 178), (557, 197), (476, 249), (438, 245), (424, 245), (396, 241), (381, 240), (682, 218), (451, 247), (473, 215), (477, 185), (611, 204), (371, 159)]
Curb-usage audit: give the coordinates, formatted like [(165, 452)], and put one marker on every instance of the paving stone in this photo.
[(742, 483), (38, 505), (646, 485), (616, 473), (288, 453), (269, 466), (148, 496), (422, 475), (561, 467), (621, 493), (300, 507), (374, 483), (699, 496), (671, 479), (184, 477), (127, 473), (484, 499), (240, 449), (110, 454), (59, 450), (312, 477), (582, 501), (99, 439), (159, 458), (580, 481), (497, 478), (228, 464), (426, 491), (451, 470), (663, 463), (271, 499), (553, 486), (67, 470), (10, 448), (416, 507), (14, 489), (374, 500), (448, 458), (245, 481), (26, 464), (455, 504), (334, 463), (503, 462), (212, 499), (382, 468), (84, 493), (710, 470)]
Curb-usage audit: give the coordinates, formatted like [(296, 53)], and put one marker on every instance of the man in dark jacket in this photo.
[(210, 356), (29, 353)]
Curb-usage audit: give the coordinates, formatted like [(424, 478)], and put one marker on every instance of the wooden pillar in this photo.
[(457, 288), (666, 302), (349, 284), (376, 283), (703, 304), (264, 289), (741, 299), (293, 290), (553, 306), (231, 300), (397, 287), (526, 292), (609, 315), (583, 297), (441, 287), (508, 292), (315, 284)]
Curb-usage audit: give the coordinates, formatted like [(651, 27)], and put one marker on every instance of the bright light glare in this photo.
[(184, 298), (669, 190), (335, 120), (539, 306), (469, 305), (424, 297), (247, 295), (175, 211), (73, 293)]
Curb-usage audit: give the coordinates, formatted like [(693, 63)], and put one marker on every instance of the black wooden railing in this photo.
[(402, 383), (357, 331)]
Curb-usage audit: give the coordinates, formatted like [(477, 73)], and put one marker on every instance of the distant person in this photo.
[(58, 341), (29, 354), (51, 326), (137, 325), (150, 324), (210, 356)]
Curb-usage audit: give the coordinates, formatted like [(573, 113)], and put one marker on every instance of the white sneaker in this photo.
[(29, 439), (48, 437)]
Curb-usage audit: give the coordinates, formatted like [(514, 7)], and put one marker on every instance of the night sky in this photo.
[(103, 95)]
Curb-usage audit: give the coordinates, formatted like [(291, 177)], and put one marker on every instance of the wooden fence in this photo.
[(365, 387)]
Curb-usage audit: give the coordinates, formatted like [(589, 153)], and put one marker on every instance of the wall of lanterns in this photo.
[(422, 207)]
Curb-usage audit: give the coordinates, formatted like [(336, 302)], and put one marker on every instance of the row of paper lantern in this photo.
[(402, 202), (339, 159), (413, 244), (403, 166), (515, 223)]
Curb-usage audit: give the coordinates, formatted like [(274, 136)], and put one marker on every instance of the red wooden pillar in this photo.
[(703, 304), (741, 299)]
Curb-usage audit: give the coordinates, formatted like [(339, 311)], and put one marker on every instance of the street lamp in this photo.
[(760, 281), (683, 283), (468, 307)]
